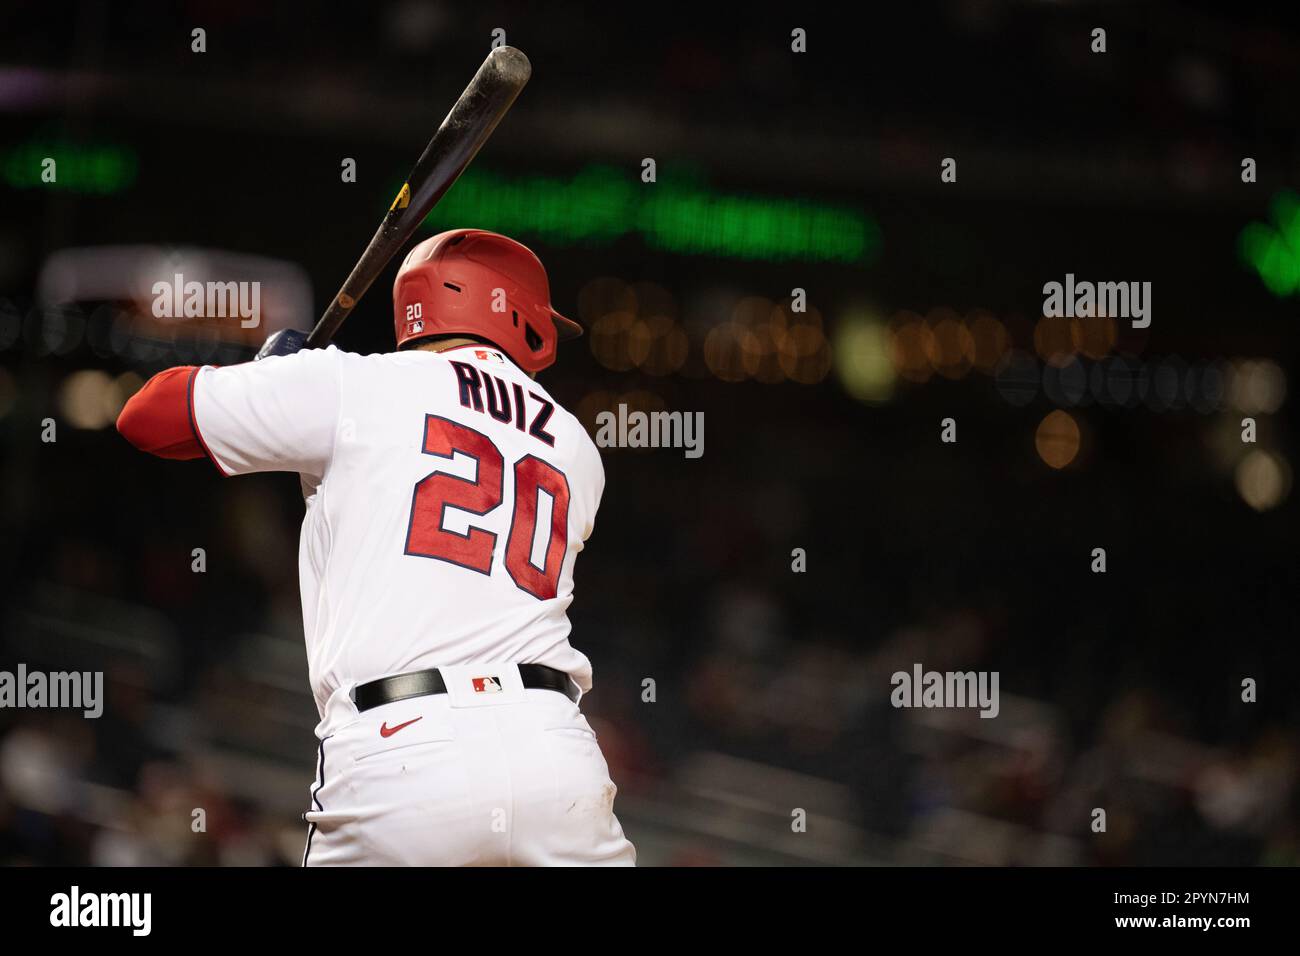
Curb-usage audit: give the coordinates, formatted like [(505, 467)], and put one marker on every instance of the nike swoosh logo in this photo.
[(386, 731)]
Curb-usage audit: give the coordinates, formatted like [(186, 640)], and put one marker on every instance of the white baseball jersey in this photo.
[(447, 495), (447, 499)]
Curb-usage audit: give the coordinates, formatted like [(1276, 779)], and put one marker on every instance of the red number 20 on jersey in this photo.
[(435, 493)]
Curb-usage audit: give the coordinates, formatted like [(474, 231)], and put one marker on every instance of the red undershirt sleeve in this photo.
[(159, 418)]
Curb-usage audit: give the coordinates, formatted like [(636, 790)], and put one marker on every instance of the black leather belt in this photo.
[(376, 693)]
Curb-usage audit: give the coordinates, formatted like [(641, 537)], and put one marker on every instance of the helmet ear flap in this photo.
[(410, 295)]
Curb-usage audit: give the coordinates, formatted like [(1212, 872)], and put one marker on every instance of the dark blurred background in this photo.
[(776, 171)]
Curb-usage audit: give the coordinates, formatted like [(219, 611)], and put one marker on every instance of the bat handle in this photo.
[(329, 323)]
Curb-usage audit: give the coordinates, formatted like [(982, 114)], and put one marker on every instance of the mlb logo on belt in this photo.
[(486, 685)]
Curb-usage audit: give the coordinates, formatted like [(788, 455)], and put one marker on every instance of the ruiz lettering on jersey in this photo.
[(503, 401)]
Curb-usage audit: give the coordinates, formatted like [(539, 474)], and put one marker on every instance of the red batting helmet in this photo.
[(473, 282)]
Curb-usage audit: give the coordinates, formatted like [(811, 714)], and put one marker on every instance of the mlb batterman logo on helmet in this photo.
[(478, 283)]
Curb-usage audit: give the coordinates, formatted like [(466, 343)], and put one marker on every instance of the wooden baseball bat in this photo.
[(471, 121)]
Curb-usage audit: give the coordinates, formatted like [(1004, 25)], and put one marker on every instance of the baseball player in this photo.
[(447, 497)]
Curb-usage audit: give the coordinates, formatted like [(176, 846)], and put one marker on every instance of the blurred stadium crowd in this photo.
[(731, 691)]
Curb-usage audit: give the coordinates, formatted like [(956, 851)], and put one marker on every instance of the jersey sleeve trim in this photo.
[(194, 424)]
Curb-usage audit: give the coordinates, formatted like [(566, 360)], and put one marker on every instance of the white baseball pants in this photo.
[(509, 778)]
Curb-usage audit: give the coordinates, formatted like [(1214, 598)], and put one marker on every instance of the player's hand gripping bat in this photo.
[(466, 128)]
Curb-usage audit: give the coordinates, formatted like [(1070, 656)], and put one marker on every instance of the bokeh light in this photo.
[(658, 345), (863, 357), (1057, 439), (803, 352), (1263, 480), (1065, 383), (89, 399), (1017, 377), (909, 346), (1093, 336), (723, 353), (1257, 385), (1054, 339), (610, 337), (751, 322), (951, 349)]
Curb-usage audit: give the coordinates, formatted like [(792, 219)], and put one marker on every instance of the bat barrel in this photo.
[(511, 64)]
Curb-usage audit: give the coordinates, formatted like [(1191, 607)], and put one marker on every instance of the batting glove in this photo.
[(284, 342)]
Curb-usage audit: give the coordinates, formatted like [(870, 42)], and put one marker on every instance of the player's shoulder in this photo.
[(389, 361), (570, 430), (330, 366), (304, 368), (544, 409), (383, 366), (561, 413)]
